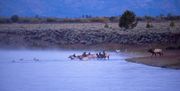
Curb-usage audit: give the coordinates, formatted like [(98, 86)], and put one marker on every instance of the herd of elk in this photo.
[(88, 56), (104, 55)]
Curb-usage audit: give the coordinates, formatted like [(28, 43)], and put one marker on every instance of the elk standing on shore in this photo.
[(154, 52)]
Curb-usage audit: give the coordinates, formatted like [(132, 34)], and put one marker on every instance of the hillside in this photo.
[(58, 35)]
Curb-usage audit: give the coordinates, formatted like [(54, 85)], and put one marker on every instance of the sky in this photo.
[(77, 8)]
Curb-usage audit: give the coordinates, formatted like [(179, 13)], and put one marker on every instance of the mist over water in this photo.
[(55, 72), (48, 55)]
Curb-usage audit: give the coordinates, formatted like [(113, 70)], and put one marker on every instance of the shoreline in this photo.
[(170, 60)]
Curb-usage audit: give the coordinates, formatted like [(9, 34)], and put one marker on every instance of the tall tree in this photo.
[(15, 18), (128, 20)]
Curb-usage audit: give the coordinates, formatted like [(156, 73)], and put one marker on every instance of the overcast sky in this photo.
[(77, 8)]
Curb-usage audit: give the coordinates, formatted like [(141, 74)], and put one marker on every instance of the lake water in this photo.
[(55, 72)]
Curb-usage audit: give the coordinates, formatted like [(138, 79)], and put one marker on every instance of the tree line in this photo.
[(84, 19)]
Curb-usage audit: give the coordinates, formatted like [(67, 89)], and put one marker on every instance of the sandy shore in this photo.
[(171, 59)]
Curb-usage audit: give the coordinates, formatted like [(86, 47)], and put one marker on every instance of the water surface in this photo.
[(55, 72)]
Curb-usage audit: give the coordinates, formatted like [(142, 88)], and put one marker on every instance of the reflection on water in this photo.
[(55, 72)]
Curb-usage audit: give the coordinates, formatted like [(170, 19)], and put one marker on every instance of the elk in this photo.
[(154, 52)]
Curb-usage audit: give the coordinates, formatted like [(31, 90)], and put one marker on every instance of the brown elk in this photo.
[(154, 52)]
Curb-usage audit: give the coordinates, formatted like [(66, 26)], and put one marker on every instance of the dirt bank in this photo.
[(171, 59)]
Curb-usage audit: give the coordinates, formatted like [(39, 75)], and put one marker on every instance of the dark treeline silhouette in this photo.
[(83, 19), (86, 19)]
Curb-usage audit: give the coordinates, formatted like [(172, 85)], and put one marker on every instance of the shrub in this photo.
[(15, 18), (148, 18), (106, 25), (113, 19), (172, 24), (127, 20), (51, 20), (5, 20), (34, 20), (25, 20), (149, 25), (80, 20), (99, 19)]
